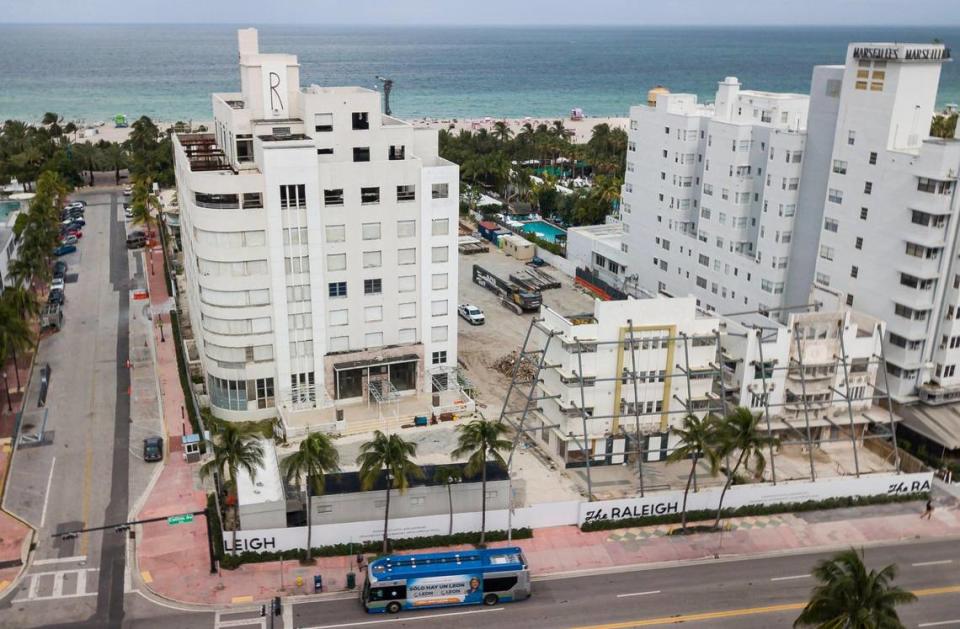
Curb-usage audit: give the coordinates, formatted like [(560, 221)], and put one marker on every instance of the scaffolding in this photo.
[(524, 397)]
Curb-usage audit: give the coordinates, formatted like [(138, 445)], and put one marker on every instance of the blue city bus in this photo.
[(467, 577)]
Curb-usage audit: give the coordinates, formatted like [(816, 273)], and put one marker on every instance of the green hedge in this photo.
[(786, 507), (552, 247), (230, 561), (182, 370)]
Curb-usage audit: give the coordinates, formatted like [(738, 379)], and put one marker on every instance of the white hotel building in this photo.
[(319, 240), (747, 202)]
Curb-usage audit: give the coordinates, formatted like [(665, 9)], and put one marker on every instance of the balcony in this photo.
[(202, 152)]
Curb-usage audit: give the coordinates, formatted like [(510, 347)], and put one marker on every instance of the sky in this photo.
[(487, 12)]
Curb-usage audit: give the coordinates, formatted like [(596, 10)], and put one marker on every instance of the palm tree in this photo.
[(235, 448), (478, 440), (739, 432), (502, 131), (23, 301), (143, 202), (15, 334), (392, 456), (851, 597), (448, 475), (698, 439), (316, 456)]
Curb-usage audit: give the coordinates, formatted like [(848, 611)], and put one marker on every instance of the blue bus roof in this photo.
[(393, 567)]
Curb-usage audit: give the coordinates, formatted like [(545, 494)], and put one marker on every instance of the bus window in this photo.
[(389, 593), (499, 584)]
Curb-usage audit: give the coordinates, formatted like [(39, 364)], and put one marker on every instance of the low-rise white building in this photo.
[(320, 251)]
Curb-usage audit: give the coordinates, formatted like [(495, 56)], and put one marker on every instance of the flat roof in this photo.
[(394, 567), (937, 423), (266, 486)]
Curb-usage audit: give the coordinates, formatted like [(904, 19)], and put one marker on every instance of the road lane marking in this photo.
[(409, 618), (235, 599), (58, 585), (44, 562), (790, 578), (44, 599), (733, 613), (939, 562), (82, 582), (87, 479), (148, 578), (638, 594), (940, 623), (46, 496)]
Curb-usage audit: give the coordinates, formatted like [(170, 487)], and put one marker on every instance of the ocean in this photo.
[(93, 72)]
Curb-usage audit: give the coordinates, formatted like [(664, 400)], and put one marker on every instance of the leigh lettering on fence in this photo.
[(578, 513)]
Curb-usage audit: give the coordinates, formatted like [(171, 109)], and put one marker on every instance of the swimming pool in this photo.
[(544, 230), (7, 208)]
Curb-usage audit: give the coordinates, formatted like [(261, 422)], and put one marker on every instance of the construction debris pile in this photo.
[(506, 363)]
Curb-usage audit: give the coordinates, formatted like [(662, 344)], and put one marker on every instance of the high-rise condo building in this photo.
[(319, 240), (889, 230)]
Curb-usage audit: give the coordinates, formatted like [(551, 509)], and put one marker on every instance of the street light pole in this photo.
[(160, 325), (6, 388)]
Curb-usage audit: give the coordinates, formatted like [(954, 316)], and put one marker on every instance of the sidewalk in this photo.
[(13, 532)]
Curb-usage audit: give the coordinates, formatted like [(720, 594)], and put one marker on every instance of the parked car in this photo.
[(60, 268), (136, 241), (63, 250), (472, 314), (128, 213), (127, 191), (56, 296), (153, 449), (57, 283), (74, 221), (69, 239), (71, 231)]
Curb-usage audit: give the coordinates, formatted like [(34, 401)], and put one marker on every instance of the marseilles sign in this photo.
[(902, 54)]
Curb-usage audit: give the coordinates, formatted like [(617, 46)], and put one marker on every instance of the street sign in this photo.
[(184, 518)]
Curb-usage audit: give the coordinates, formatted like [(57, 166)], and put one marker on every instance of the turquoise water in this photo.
[(168, 71), (544, 230), (7, 208)]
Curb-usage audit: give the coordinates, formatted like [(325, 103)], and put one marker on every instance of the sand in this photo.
[(581, 128)]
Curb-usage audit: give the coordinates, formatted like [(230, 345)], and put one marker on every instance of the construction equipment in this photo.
[(518, 299), (387, 86), (51, 316)]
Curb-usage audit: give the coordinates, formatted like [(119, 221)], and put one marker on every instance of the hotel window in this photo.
[(863, 213), (708, 189), (325, 151), (438, 358), (830, 225), (372, 314), (293, 196), (440, 254), (438, 308), (336, 261), (298, 264), (407, 335), (371, 231), (295, 236), (834, 195), (441, 226), (252, 200), (927, 220), (339, 343), (440, 190), (439, 281), (858, 243), (361, 153), (406, 229), (406, 256), (861, 85), (372, 259), (337, 289), (339, 317), (372, 287), (397, 153), (873, 157), (406, 193), (360, 120), (333, 197), (854, 271), (826, 252), (851, 137), (370, 195), (244, 148), (438, 333), (336, 233), (323, 123), (373, 339), (839, 167), (406, 283), (407, 310), (867, 187), (823, 279), (934, 186)]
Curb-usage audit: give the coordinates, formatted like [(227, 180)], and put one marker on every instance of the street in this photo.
[(743, 594)]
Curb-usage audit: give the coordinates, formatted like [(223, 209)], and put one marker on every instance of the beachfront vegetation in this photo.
[(312, 460), (27, 150), (502, 162), (850, 595), (481, 441), (944, 126)]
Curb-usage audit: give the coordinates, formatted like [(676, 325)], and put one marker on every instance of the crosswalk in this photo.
[(242, 619), (58, 584)]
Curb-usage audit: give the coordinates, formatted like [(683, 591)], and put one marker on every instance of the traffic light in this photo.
[(263, 611), (277, 606)]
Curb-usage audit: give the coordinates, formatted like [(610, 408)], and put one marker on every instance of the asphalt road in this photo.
[(741, 594)]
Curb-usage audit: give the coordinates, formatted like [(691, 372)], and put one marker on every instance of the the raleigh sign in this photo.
[(899, 53)]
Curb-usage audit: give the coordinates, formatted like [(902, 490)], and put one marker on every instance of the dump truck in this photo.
[(518, 299), (52, 316)]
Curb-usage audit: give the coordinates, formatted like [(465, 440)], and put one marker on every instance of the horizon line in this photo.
[(490, 26)]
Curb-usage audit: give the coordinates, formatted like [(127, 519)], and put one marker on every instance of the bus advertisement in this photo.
[(487, 576)]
